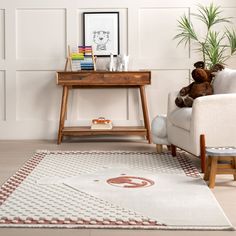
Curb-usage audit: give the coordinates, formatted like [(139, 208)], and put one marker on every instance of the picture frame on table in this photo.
[(101, 31)]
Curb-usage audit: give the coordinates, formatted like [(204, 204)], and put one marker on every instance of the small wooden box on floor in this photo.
[(220, 161)]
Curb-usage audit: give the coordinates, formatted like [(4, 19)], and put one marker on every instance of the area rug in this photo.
[(135, 190)]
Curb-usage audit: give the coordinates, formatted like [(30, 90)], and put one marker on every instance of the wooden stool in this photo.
[(225, 154)]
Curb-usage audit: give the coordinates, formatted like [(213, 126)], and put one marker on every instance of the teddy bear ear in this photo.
[(217, 67), (199, 64)]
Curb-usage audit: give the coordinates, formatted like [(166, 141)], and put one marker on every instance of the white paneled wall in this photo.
[(42, 101), (2, 96), (164, 82), (33, 39), (157, 27), (40, 33), (2, 40)]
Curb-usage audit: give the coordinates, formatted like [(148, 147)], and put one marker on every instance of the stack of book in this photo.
[(86, 50), (101, 123), (76, 58), (82, 58), (88, 62)]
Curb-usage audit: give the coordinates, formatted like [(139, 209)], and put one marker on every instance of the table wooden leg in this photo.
[(145, 112), (203, 152), (213, 171), (208, 168), (63, 113), (173, 150), (234, 164), (159, 148)]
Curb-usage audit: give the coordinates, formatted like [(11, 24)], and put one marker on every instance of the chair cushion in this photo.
[(225, 81), (181, 117)]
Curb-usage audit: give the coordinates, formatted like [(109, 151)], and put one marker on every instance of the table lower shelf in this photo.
[(116, 130)]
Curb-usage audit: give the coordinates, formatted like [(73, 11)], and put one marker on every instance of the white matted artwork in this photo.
[(101, 31)]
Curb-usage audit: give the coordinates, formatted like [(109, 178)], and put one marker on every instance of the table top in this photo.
[(103, 71), (221, 151)]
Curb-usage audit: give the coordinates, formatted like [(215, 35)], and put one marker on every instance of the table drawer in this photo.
[(104, 78)]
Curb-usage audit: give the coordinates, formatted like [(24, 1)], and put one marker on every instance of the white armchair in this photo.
[(210, 122)]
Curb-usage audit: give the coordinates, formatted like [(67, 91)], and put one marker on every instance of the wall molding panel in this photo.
[(2, 96), (40, 33), (33, 45), (2, 34)]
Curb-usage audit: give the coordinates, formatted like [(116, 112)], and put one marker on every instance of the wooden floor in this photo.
[(14, 153)]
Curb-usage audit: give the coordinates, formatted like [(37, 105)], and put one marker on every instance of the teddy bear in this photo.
[(200, 87)]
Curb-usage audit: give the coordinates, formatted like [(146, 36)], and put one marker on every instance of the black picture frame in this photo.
[(101, 30)]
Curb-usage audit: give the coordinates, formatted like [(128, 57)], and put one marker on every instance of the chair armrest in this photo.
[(215, 117), (171, 102)]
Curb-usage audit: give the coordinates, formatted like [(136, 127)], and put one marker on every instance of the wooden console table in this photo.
[(103, 79)]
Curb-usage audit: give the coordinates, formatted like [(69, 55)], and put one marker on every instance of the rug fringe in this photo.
[(226, 228)]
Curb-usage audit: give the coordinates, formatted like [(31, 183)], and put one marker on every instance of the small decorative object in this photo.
[(101, 123), (215, 46), (159, 132), (111, 64), (101, 30), (122, 62), (201, 85), (81, 58)]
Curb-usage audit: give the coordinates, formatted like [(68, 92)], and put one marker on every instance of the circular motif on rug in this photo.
[(130, 182)]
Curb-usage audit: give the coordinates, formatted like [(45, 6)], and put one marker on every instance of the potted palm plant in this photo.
[(216, 46)]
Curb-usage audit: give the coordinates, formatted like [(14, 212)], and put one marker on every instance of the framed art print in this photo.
[(101, 31)]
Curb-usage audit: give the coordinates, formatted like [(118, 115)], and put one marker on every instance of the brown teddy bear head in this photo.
[(201, 75)]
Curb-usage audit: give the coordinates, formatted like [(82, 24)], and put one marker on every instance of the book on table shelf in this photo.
[(101, 123)]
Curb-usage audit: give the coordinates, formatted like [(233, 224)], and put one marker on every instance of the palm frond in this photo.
[(186, 31), (214, 49), (211, 15), (215, 46), (231, 35)]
